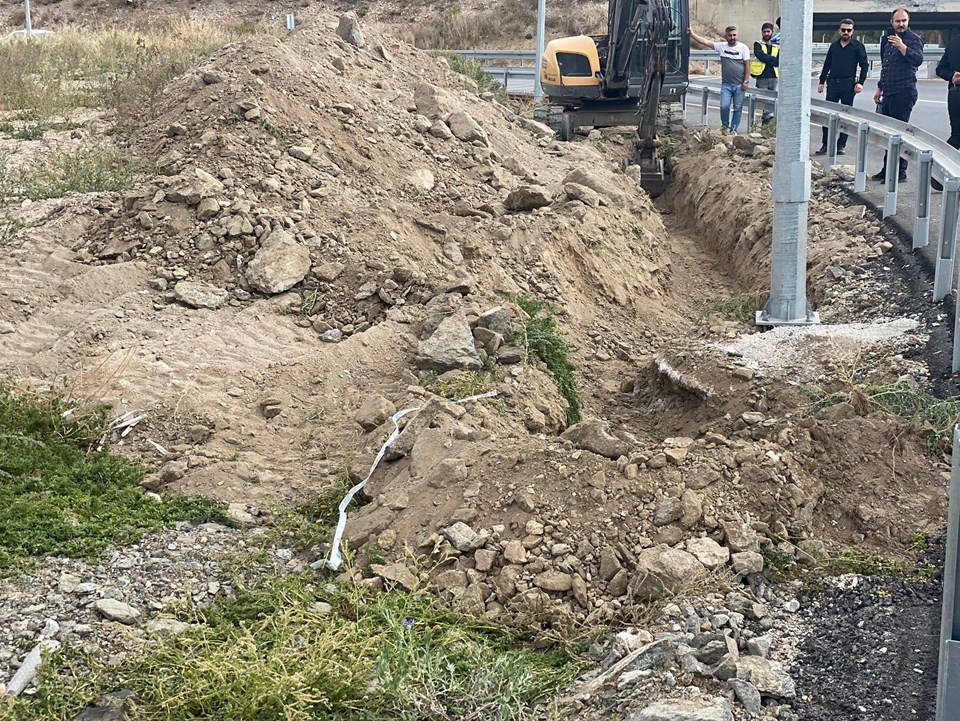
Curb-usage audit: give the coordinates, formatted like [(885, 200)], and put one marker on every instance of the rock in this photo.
[(211, 78), (166, 626), (439, 129), (200, 295), (752, 418), (6, 328), (465, 128), (527, 197), (30, 666), (599, 181), (514, 552), (740, 536), (114, 610), (708, 552), (553, 581), (511, 355), (279, 265), (208, 208), (609, 563), (537, 128), (463, 538), (745, 143), (498, 320), (349, 29), (769, 677), (594, 435), (484, 559), (676, 456), (667, 511), (450, 347), (747, 694), (433, 102), (582, 193), (329, 272), (747, 562), (374, 411), (490, 341), (692, 506), (334, 335), (759, 646), (300, 152), (397, 573), (619, 584), (422, 180), (699, 709), (661, 570)]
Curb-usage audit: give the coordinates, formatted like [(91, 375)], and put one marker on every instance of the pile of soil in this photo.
[(322, 214)]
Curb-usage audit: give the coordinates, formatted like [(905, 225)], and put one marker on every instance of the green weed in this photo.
[(742, 307), (59, 496), (543, 340), (311, 524), (474, 71), (95, 168), (309, 302), (290, 650), (936, 417)]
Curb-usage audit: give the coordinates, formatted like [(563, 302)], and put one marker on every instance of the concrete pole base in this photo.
[(765, 321)]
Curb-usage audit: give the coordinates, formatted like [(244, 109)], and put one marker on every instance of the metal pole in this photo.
[(921, 227), (291, 22), (751, 111), (27, 18), (833, 130), (948, 680), (704, 107), (893, 176), (541, 31), (943, 275), (791, 173), (863, 136)]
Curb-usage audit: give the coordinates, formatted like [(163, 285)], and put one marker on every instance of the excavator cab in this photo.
[(636, 73)]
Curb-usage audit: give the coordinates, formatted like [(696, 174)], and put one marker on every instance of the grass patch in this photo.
[(543, 340), (936, 417), (95, 168), (58, 496), (473, 70), (741, 307), (291, 650), (124, 70)]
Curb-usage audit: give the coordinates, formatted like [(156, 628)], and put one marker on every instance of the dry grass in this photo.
[(117, 69)]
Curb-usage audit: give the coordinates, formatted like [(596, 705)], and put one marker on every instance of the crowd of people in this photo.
[(843, 76)]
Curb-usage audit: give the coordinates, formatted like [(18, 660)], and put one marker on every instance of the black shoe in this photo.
[(822, 150), (880, 177), (902, 176), (841, 151)]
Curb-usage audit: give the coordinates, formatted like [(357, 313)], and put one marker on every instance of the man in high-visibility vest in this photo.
[(766, 64)]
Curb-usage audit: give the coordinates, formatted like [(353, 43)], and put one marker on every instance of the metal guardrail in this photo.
[(530, 56), (934, 158)]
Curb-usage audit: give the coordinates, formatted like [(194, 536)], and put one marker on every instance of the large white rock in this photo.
[(279, 265), (662, 570), (710, 553)]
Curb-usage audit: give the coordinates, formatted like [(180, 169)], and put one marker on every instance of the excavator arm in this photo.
[(656, 24)]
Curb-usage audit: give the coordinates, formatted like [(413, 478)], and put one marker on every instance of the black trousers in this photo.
[(840, 90), (953, 109), (899, 106)]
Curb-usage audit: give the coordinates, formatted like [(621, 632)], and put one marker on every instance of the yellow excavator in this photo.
[(636, 74)]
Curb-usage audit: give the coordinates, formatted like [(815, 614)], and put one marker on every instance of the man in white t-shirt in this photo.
[(734, 74)]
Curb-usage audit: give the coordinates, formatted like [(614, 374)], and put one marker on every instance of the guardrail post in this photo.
[(751, 111), (893, 176), (833, 130), (705, 107), (948, 680), (921, 227), (943, 275), (863, 136)]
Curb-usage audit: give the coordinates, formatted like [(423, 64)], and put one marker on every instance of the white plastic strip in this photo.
[(336, 558)]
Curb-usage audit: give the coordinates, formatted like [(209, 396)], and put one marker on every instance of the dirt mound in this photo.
[(329, 240)]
